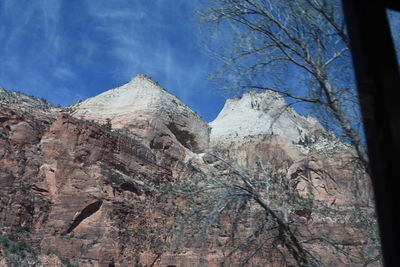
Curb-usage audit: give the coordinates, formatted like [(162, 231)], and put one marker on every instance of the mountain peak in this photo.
[(145, 108), (140, 93), (265, 113), (142, 78), (9, 97)]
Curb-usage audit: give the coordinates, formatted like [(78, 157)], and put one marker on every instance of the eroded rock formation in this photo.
[(144, 108), (74, 191)]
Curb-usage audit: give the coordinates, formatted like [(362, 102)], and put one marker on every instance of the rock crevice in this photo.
[(88, 211)]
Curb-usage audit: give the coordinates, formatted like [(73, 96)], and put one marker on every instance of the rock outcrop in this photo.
[(264, 113), (144, 108), (80, 185), (267, 118)]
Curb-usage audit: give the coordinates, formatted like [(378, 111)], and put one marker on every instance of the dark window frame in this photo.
[(378, 81)]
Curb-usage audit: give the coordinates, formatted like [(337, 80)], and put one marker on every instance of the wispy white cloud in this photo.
[(29, 23), (143, 42), (119, 14), (80, 42), (63, 73), (44, 16)]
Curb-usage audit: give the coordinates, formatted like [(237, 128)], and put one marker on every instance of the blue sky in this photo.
[(69, 50)]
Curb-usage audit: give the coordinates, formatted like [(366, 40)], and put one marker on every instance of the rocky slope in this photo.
[(80, 185), (264, 113), (267, 118), (144, 108)]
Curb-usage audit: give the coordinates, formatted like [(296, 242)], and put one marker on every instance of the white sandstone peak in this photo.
[(142, 79), (255, 114), (146, 109), (141, 93)]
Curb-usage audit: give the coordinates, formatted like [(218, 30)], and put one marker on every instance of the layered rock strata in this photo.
[(80, 185), (144, 108)]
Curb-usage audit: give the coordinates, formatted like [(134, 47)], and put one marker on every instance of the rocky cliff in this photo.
[(146, 109), (82, 185), (260, 129)]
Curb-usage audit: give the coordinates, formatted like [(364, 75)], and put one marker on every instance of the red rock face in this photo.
[(67, 188), (77, 192)]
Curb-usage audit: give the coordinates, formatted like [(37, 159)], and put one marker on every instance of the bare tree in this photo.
[(298, 48), (259, 218)]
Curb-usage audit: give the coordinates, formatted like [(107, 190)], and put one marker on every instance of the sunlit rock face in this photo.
[(261, 128), (264, 113), (260, 131), (149, 111), (77, 190)]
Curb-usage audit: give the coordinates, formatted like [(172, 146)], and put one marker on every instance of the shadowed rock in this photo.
[(88, 211)]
